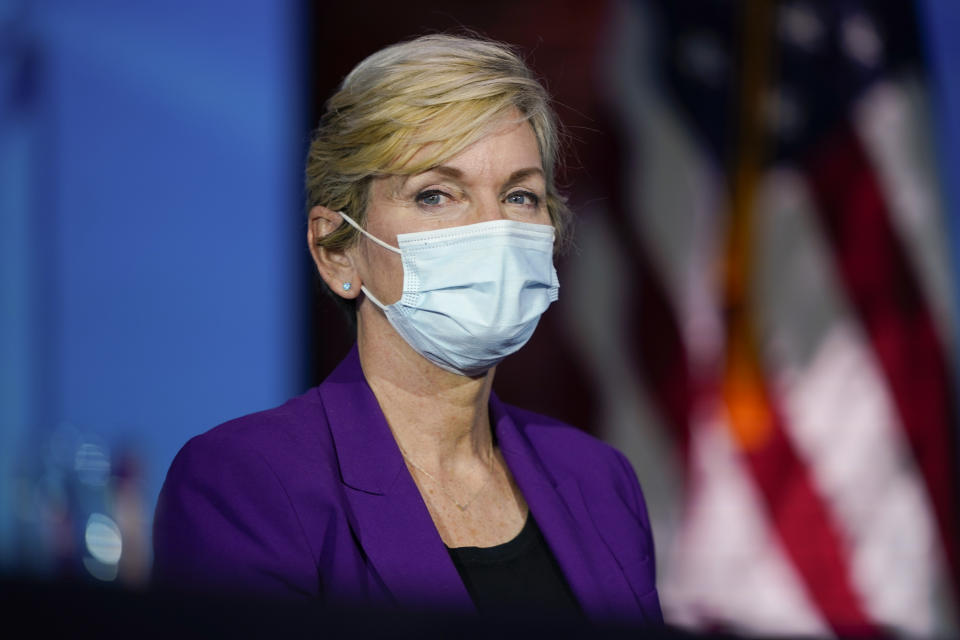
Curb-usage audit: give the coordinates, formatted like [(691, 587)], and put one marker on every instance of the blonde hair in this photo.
[(439, 90)]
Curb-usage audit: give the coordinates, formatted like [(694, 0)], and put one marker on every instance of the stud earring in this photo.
[(346, 286)]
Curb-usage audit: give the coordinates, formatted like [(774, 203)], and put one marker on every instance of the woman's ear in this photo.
[(334, 266)]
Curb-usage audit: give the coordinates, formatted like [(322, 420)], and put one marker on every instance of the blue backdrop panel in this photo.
[(940, 21), (162, 242)]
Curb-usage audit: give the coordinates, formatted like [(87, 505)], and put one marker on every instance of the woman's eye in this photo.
[(431, 198), (523, 198)]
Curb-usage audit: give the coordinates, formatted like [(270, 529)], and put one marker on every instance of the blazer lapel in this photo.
[(389, 517), (559, 509)]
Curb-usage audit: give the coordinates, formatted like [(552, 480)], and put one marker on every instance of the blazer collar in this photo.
[(566, 522), (387, 513), (394, 526), (369, 458)]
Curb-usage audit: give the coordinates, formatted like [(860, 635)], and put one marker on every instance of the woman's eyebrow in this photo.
[(444, 170), (457, 174), (450, 172), (521, 174)]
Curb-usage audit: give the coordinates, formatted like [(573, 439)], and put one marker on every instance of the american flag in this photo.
[(789, 313)]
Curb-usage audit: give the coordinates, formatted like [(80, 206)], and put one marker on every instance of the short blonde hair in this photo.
[(439, 90)]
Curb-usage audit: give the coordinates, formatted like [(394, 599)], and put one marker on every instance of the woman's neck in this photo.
[(440, 419)]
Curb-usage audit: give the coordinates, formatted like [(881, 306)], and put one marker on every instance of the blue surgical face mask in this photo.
[(472, 295)]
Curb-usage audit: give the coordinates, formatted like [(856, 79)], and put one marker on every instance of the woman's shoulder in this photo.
[(604, 475), (292, 434), (554, 435), (294, 419), (244, 503), (570, 450)]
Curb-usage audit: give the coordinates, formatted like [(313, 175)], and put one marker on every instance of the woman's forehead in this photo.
[(508, 148)]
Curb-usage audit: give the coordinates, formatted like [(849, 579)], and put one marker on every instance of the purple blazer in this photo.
[(313, 498)]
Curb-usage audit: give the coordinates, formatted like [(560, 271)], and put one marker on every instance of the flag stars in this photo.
[(860, 40), (799, 25), (784, 113), (701, 55)]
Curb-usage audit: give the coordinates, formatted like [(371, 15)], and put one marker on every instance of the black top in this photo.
[(521, 574)]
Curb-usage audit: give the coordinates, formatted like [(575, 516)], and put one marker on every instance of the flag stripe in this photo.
[(797, 510), (808, 531), (840, 415), (729, 568), (886, 295), (656, 345)]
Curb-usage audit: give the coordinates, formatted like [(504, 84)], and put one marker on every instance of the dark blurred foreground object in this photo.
[(78, 608)]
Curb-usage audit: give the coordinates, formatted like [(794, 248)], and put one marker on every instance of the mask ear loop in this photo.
[(380, 242)]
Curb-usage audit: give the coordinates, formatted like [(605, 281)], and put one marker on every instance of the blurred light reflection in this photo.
[(92, 464), (103, 539)]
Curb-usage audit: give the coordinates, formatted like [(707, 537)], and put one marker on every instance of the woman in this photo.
[(402, 478)]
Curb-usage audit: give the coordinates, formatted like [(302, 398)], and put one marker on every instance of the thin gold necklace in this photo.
[(462, 506)]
